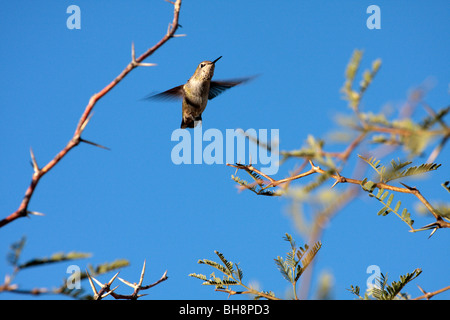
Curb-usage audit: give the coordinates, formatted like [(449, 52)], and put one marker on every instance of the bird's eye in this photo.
[(202, 65)]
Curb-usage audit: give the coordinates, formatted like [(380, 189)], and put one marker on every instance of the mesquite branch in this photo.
[(270, 182)]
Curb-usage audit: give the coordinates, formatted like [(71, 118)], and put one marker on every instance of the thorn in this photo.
[(423, 291), (179, 35), (144, 64), (337, 180), (33, 161), (434, 226), (94, 144)]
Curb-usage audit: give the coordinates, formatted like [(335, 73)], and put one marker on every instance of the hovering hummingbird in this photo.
[(197, 91)]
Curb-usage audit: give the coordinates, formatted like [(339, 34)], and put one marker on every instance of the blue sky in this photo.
[(132, 202)]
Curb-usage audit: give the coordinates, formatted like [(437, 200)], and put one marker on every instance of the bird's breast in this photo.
[(196, 93)]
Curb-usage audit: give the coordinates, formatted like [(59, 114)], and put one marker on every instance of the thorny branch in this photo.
[(105, 289), (263, 184), (38, 173), (270, 182)]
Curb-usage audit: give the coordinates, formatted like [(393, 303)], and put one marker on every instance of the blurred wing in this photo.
[(171, 94), (217, 87)]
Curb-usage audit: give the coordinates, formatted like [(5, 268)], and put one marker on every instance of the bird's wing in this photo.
[(217, 87), (171, 94)]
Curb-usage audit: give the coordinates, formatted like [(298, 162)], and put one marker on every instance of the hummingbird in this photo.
[(196, 92)]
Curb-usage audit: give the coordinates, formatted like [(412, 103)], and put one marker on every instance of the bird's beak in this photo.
[(216, 60)]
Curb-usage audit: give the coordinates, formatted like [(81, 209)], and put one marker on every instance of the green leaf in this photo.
[(106, 267), (297, 260), (198, 276), (391, 197), (375, 164), (397, 206), (429, 121), (381, 196), (214, 265), (16, 251), (355, 290), (383, 211), (284, 269), (228, 265)]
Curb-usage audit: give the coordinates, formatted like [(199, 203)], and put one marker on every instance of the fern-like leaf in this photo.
[(423, 168), (446, 185)]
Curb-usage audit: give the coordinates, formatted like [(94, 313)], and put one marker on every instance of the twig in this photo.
[(249, 291)]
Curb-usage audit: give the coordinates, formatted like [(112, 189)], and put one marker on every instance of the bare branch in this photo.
[(85, 117)]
